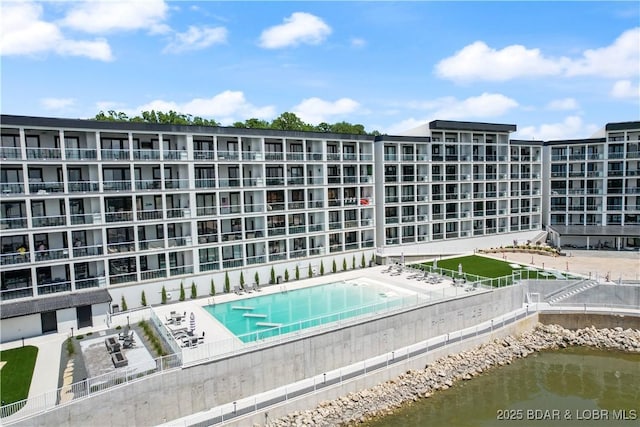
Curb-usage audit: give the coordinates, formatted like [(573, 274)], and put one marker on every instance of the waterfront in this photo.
[(574, 386)]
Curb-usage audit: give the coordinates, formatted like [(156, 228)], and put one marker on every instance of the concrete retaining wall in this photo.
[(575, 321), (172, 395)]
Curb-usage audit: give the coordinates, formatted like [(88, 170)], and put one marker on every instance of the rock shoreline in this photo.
[(384, 398)]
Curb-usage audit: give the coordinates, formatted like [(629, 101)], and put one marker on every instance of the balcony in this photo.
[(174, 155), (46, 187), (183, 269), (153, 274), (204, 155), (297, 229), (205, 183), (114, 248), (51, 286), (295, 156), (108, 154), (117, 186), (122, 278), (274, 157), (12, 153), (81, 219), (81, 154), (82, 251), (52, 254), (83, 186), (149, 215), (11, 223), (151, 244), (123, 216), (87, 283), (146, 155), (15, 258), (256, 260), (49, 221), (43, 153)]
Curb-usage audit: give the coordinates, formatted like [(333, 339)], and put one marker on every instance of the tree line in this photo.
[(286, 121)]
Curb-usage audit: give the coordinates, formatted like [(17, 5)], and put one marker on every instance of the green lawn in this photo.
[(480, 266), (15, 376)]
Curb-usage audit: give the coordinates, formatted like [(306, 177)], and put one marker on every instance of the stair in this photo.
[(572, 290)]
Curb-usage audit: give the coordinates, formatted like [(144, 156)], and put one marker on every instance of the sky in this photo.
[(557, 70)]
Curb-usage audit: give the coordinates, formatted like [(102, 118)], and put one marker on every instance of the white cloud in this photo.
[(226, 108), (25, 33), (316, 110), (299, 28), (619, 60), (563, 104), (479, 62), (196, 38), (358, 42), (572, 127), (57, 103), (101, 16), (625, 89), (485, 105)]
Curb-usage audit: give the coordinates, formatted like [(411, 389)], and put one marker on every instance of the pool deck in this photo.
[(214, 331)]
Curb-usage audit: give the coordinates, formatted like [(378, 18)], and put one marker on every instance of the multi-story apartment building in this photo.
[(462, 180), (594, 189), (92, 211), (127, 207)]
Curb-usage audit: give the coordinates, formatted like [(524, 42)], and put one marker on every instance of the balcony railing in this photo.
[(43, 153), (10, 223), (53, 286), (117, 186), (82, 251), (110, 154), (205, 183), (15, 258), (148, 215), (151, 244), (13, 153), (49, 221), (87, 283), (83, 186), (184, 269), (46, 187), (153, 274), (51, 254), (146, 154), (174, 155), (81, 153)]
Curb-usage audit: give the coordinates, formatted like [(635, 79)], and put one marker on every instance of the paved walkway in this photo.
[(600, 264)]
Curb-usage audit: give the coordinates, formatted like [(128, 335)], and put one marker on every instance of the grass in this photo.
[(480, 266), (17, 373)]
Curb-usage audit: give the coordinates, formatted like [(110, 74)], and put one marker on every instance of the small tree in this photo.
[(143, 299), (297, 273), (272, 280), (194, 290), (242, 280), (322, 268), (310, 272), (373, 258), (123, 302), (227, 282), (353, 262), (212, 290), (256, 278), (286, 274), (334, 266), (182, 296), (344, 264), (363, 262), (163, 295)]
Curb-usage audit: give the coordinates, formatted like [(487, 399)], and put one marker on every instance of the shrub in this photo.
[(272, 280), (310, 272), (182, 296), (297, 273), (123, 302), (212, 290), (256, 278), (118, 327), (163, 298), (70, 348), (286, 275), (334, 267), (322, 268), (344, 264), (242, 279), (363, 262), (353, 262), (79, 337), (143, 299), (194, 290), (227, 282)]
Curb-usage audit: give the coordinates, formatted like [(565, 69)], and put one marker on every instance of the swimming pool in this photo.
[(264, 316)]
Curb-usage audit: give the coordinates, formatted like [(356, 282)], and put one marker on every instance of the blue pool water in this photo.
[(264, 316)]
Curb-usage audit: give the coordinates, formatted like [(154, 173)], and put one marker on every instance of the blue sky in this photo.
[(555, 69)]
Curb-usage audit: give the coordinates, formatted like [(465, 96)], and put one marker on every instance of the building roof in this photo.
[(597, 230), (84, 124), (577, 141), (471, 126), (53, 302), (623, 126)]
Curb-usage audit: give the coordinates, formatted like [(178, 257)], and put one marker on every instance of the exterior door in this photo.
[(49, 321)]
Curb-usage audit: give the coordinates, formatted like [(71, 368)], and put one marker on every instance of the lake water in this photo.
[(570, 387)]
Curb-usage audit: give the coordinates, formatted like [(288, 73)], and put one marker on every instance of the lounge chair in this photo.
[(249, 289), (256, 287)]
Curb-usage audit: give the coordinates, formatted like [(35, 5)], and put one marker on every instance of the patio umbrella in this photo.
[(192, 322)]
